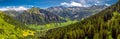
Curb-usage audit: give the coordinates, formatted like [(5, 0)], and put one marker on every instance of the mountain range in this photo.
[(76, 12), (54, 14)]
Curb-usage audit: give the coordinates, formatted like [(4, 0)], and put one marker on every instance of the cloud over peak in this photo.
[(20, 8), (71, 4), (84, 3)]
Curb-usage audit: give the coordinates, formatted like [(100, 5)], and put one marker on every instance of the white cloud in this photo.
[(84, 3), (107, 4), (20, 8), (72, 4)]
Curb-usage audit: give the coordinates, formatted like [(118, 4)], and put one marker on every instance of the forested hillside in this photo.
[(104, 25)]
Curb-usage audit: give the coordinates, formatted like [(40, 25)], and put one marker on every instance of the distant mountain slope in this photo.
[(76, 12), (104, 25), (35, 16), (12, 29)]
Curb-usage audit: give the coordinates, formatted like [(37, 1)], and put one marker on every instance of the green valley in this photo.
[(75, 20)]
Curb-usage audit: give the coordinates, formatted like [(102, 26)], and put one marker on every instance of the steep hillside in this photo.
[(104, 25), (12, 29)]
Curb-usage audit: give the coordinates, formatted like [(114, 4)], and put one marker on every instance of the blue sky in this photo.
[(50, 3)]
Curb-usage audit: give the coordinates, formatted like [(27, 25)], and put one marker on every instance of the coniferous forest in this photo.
[(36, 23), (104, 25)]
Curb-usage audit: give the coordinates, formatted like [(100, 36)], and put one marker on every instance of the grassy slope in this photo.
[(12, 29), (104, 25)]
